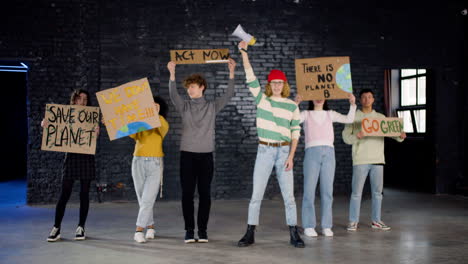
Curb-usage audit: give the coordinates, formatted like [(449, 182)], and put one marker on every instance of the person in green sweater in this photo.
[(368, 159)]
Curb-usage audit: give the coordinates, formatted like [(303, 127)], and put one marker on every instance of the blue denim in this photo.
[(146, 173), (319, 162), (360, 173), (267, 157)]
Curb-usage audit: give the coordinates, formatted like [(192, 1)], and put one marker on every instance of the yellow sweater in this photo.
[(148, 143)]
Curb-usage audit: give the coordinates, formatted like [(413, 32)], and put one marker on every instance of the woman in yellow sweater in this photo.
[(147, 171)]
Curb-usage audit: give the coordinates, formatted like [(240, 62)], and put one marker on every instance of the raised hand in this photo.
[(243, 45), (171, 67), (298, 99), (352, 99)]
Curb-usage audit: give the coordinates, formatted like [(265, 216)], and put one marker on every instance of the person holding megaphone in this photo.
[(278, 132)]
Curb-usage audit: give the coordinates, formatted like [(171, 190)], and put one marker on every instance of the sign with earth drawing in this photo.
[(128, 109), (70, 128), (323, 78)]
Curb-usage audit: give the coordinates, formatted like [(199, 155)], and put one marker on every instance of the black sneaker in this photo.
[(189, 236), (54, 235), (202, 236), (80, 233)]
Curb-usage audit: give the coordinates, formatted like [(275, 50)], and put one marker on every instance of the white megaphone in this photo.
[(240, 33)]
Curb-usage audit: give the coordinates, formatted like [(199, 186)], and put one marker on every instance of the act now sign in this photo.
[(200, 56), (382, 127)]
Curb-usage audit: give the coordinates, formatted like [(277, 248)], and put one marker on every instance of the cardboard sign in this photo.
[(128, 109), (200, 56), (70, 128), (382, 127), (323, 78)]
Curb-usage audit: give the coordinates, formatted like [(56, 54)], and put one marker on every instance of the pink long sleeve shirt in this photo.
[(318, 125)]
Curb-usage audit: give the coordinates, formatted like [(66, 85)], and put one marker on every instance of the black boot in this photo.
[(248, 239), (295, 238)]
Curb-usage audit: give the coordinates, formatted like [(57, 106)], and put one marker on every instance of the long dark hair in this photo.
[(77, 93), (325, 105), (163, 107)]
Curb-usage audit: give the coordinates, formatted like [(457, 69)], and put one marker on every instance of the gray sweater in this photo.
[(198, 119)]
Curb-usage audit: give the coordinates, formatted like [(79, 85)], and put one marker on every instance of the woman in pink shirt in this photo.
[(319, 161)]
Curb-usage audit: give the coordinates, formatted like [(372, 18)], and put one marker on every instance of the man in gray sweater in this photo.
[(197, 146)]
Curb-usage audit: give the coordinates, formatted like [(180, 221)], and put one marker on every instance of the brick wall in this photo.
[(99, 45)]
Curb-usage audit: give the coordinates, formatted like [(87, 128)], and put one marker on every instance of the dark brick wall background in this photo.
[(97, 45)]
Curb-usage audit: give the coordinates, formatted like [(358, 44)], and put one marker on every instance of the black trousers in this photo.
[(196, 170), (67, 186)]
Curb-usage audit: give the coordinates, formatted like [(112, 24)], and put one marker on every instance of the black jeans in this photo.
[(67, 186), (196, 170)]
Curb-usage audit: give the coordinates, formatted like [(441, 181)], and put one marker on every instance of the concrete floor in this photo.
[(425, 229)]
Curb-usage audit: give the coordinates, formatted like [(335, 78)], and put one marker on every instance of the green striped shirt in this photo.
[(277, 118)]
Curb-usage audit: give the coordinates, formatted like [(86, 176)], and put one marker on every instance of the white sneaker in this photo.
[(150, 233), (327, 232), (139, 237), (80, 233), (380, 225), (54, 235), (310, 232), (352, 226)]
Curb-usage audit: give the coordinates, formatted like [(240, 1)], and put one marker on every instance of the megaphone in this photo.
[(240, 33)]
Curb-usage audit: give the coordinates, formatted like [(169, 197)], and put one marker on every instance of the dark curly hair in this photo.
[(197, 79)]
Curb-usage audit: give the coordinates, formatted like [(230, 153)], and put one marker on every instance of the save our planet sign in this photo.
[(323, 78), (70, 128), (128, 109)]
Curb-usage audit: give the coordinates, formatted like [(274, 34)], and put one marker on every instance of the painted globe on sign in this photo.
[(132, 128), (343, 78)]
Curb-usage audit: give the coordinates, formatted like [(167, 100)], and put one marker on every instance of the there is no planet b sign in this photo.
[(323, 78)]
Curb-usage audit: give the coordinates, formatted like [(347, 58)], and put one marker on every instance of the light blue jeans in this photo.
[(267, 157), (319, 162), (360, 173), (146, 173)]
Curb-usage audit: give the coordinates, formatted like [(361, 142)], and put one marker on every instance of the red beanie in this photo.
[(276, 75)]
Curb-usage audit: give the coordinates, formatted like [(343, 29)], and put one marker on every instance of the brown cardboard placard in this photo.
[(70, 128), (200, 56), (128, 109), (382, 127), (323, 78)]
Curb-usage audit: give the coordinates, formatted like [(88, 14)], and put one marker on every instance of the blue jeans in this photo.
[(267, 157), (319, 162), (360, 173), (147, 173)]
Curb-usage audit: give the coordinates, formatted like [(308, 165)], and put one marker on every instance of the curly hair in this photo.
[(284, 93), (197, 79)]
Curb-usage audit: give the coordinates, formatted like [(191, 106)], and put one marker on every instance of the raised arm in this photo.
[(251, 79), (349, 118), (223, 100), (173, 94)]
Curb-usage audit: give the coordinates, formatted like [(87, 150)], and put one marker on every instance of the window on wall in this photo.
[(412, 106)]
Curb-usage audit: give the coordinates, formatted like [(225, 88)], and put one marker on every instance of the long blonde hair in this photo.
[(284, 93)]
